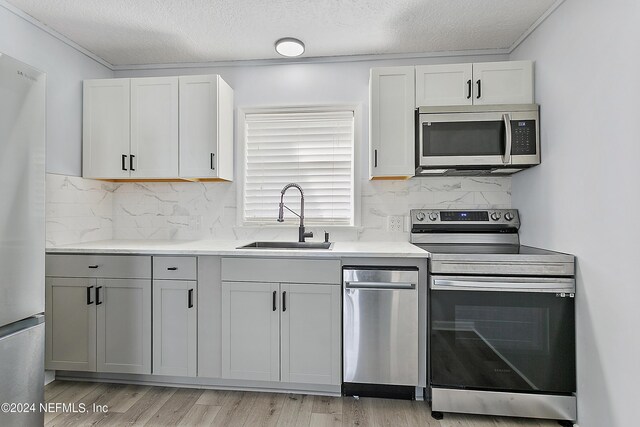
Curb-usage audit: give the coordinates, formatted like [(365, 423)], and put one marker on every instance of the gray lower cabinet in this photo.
[(281, 332), (174, 327), (124, 325), (250, 331), (98, 313), (70, 324), (310, 344)]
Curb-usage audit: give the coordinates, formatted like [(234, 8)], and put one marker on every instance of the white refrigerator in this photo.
[(22, 240)]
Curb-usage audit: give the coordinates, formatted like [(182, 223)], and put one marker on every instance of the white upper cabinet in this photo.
[(447, 84), (391, 122), (105, 132), (507, 82), (169, 128), (206, 127), (484, 83), (154, 128)]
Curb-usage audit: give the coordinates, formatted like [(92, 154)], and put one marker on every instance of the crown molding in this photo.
[(33, 21), (535, 25), (311, 60)]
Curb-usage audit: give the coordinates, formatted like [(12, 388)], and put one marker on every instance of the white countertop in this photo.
[(230, 248)]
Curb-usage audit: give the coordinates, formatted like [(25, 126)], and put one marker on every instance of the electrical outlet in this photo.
[(395, 223)]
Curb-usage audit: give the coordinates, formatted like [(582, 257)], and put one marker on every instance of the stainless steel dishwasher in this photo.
[(380, 326)]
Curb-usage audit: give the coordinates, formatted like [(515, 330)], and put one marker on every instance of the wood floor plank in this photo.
[(235, 410), (419, 414), (71, 394), (54, 388), (200, 415), (175, 408), (386, 412), (296, 411), (127, 397), (325, 420), (327, 405), (212, 397), (146, 407), (100, 395), (266, 410), (354, 413)]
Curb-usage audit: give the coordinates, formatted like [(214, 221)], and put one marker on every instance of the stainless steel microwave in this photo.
[(477, 140)]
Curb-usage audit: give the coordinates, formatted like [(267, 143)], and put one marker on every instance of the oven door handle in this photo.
[(484, 286), (506, 158)]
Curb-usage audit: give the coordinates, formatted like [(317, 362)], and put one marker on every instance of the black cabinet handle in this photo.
[(89, 302), (124, 162), (479, 83), (469, 89), (98, 302), (274, 301), (190, 298), (284, 301), (93, 266), (375, 158), (172, 268), (212, 167), (131, 157)]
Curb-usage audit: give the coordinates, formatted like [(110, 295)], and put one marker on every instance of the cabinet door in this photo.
[(154, 127), (311, 343), (442, 85), (70, 316), (507, 82), (198, 126), (250, 331), (105, 129), (391, 122), (124, 325), (174, 327)]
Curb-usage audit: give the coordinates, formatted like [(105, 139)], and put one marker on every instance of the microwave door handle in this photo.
[(506, 158)]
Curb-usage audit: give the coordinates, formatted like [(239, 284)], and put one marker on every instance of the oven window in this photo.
[(485, 138), (502, 341)]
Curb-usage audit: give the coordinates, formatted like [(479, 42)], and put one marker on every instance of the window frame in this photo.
[(240, 163)]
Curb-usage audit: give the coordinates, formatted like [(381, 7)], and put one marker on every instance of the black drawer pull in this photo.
[(469, 89), (284, 301), (479, 83), (93, 266), (98, 302), (89, 302), (131, 162), (274, 301), (212, 166), (172, 268), (124, 159), (190, 299)]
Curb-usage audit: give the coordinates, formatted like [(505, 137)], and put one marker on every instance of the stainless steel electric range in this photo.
[(501, 317)]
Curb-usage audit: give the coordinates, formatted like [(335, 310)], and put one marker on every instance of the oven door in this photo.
[(502, 334), (482, 139)]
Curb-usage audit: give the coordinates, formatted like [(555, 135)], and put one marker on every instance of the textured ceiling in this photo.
[(171, 31)]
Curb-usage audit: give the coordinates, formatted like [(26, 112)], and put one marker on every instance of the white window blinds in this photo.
[(312, 149)]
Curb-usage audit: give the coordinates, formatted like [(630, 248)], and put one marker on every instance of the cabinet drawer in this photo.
[(281, 270), (174, 267), (107, 266)]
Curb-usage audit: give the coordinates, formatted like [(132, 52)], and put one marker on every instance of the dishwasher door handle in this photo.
[(379, 285)]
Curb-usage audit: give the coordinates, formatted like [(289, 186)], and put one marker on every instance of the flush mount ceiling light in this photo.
[(289, 46)]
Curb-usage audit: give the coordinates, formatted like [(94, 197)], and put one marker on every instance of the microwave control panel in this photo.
[(523, 137)]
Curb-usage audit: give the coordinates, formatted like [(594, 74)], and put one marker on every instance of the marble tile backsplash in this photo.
[(80, 210)]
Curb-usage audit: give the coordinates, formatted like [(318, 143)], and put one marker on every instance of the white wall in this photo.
[(584, 198), (66, 68)]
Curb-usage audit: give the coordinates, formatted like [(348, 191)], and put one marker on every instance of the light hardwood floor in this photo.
[(166, 406)]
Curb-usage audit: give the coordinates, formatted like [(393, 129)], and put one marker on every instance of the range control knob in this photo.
[(508, 216), (495, 216), (420, 216), (433, 216)]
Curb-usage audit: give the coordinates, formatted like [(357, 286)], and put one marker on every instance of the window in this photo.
[(311, 148)]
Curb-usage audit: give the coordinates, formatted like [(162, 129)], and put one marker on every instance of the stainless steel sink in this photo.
[(287, 245)]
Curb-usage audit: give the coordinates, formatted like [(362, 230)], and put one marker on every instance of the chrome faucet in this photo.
[(301, 233)]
